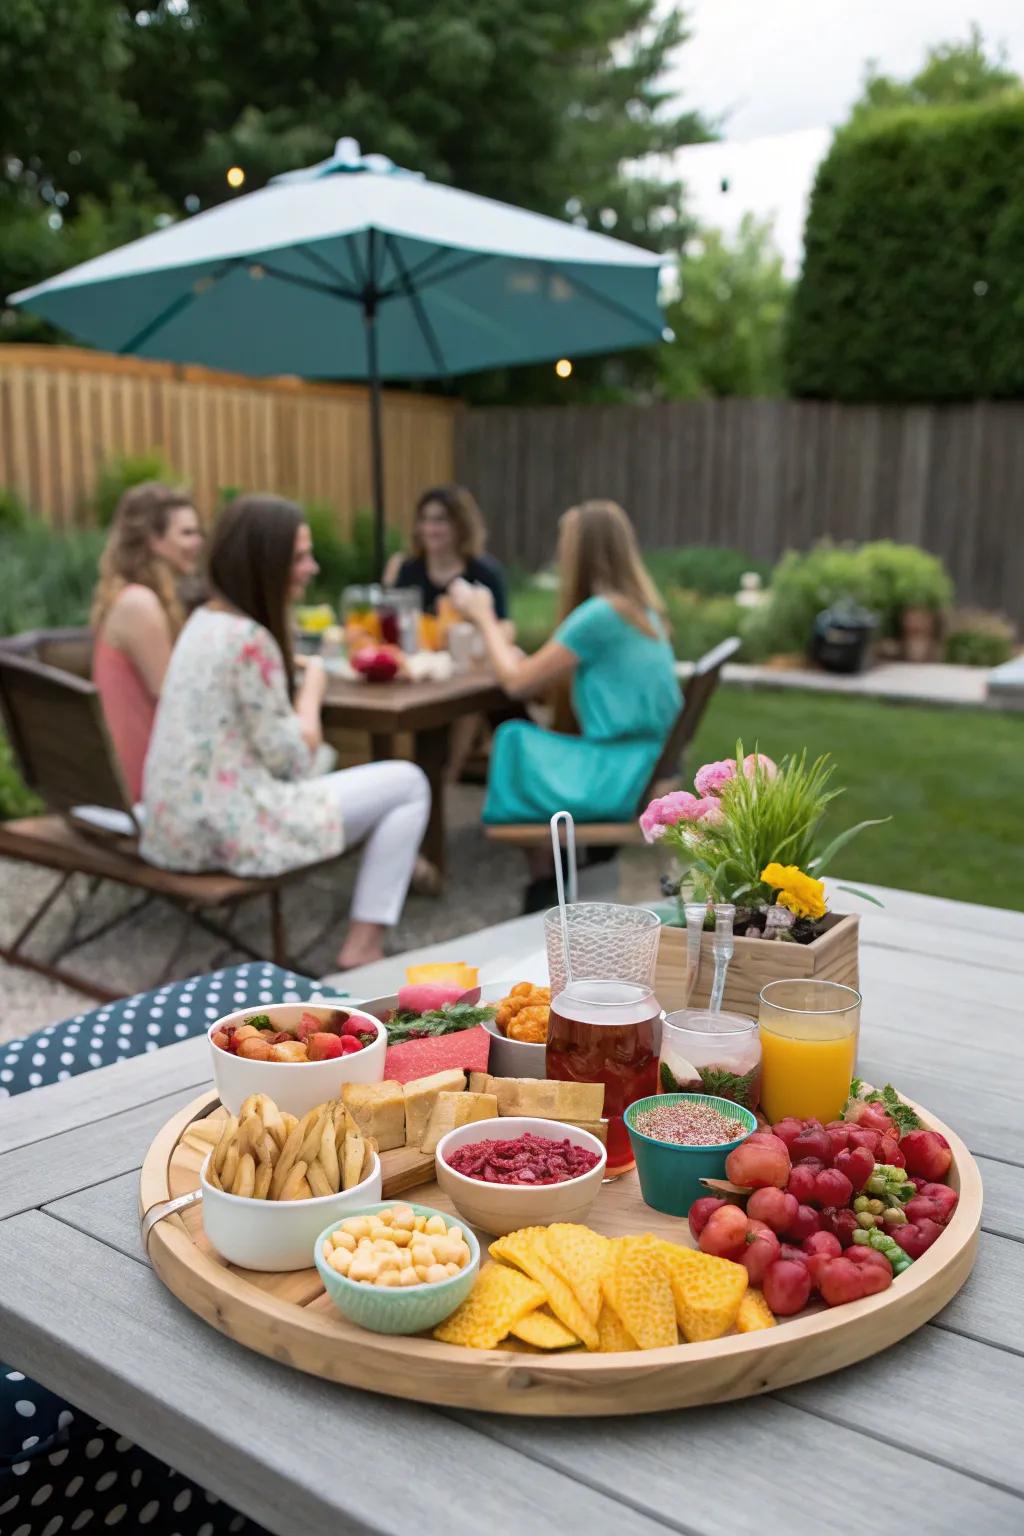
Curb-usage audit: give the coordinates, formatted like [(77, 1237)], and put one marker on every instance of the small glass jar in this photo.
[(716, 1053)]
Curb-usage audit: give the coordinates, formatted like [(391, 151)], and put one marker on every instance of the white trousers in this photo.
[(385, 807)]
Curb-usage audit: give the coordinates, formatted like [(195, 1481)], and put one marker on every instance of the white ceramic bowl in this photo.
[(514, 1058), (295, 1086), (278, 1235), (500, 1208)]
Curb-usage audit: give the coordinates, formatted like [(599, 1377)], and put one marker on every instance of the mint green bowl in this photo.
[(670, 1174), (386, 1309)]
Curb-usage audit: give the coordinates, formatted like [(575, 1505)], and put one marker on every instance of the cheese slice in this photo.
[(379, 1111), (454, 1109), (421, 1096), (546, 1098)]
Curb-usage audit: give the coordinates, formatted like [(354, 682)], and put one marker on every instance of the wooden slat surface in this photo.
[(763, 476), (932, 1420), (66, 411)]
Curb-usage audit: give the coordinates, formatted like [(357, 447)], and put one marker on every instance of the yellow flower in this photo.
[(801, 894)]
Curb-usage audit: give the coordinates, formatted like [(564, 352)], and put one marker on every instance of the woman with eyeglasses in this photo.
[(235, 778)]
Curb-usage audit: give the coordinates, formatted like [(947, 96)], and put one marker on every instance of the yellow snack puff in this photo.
[(543, 1332), (707, 1293), (579, 1255), (612, 1336), (528, 1251), (637, 1288), (754, 1313), (499, 1299)]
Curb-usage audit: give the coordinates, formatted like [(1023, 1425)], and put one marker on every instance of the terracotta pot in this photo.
[(920, 630)]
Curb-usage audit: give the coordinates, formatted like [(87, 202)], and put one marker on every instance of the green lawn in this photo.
[(949, 778)]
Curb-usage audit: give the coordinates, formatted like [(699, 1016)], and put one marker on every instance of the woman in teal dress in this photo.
[(613, 674)]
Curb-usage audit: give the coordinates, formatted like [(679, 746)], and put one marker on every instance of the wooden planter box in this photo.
[(831, 957)]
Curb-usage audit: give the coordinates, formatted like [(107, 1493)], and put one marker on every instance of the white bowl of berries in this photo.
[(301, 1054)]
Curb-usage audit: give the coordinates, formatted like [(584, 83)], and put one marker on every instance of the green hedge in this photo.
[(913, 283)]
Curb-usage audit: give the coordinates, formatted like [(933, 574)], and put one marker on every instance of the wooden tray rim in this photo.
[(584, 1384)]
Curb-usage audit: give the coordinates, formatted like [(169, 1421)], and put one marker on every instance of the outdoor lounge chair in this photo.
[(613, 834), (59, 738)]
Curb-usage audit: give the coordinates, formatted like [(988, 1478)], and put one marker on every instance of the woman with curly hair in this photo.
[(155, 541)]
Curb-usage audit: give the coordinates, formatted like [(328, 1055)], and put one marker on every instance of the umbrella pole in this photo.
[(376, 439)]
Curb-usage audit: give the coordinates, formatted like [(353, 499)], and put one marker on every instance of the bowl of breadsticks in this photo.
[(273, 1181)]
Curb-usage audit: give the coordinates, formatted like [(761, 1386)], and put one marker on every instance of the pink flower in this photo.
[(667, 812), (769, 769), (711, 813), (253, 651), (712, 776)]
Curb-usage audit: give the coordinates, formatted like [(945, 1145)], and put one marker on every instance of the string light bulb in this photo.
[(563, 367), (235, 176)]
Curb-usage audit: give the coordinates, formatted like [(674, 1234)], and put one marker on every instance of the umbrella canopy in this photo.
[(357, 269)]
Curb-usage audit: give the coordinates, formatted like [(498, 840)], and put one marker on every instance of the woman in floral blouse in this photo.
[(236, 773)]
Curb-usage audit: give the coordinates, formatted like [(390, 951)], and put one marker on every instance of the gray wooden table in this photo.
[(923, 1438)]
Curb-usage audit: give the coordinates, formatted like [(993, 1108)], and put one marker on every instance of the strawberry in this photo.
[(348, 1043), (353, 1025)]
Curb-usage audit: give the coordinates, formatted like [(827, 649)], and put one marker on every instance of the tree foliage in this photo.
[(953, 74), (912, 287), (729, 316), (120, 117)]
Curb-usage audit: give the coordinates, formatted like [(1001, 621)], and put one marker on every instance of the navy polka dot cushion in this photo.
[(145, 1022), (60, 1470)]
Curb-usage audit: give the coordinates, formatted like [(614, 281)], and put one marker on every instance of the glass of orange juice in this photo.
[(808, 1048)]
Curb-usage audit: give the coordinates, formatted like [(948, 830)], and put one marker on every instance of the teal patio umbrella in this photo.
[(358, 269)]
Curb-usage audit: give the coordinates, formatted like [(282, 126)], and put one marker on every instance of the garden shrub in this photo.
[(343, 562), (711, 571), (46, 578), (911, 286), (13, 511), (883, 577), (120, 474), (979, 639)]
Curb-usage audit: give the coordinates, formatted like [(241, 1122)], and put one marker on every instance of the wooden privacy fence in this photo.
[(65, 411), (765, 476)]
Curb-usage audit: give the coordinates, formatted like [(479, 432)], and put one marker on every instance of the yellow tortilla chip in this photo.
[(636, 1286), (498, 1300), (579, 1256), (527, 1250), (612, 1336), (707, 1291), (754, 1313), (543, 1331)]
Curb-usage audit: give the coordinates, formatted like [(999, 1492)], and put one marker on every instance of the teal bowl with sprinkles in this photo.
[(670, 1171)]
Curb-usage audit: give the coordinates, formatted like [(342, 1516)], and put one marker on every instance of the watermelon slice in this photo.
[(467, 1049)]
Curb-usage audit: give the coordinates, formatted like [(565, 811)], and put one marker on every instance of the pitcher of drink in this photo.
[(604, 1025)]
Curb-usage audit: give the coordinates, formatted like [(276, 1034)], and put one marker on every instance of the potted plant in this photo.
[(912, 588), (751, 836)]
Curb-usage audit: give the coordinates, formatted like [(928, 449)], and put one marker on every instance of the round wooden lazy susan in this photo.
[(289, 1317)]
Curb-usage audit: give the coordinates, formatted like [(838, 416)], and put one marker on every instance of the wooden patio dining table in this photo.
[(922, 1438), (427, 711)]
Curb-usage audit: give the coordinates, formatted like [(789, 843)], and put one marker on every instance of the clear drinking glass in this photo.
[(607, 942), (606, 1031), (717, 1053), (809, 1035)]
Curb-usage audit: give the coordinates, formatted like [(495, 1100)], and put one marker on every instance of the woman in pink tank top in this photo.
[(155, 539)]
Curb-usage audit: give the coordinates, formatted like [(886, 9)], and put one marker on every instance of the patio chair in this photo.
[(70, 650), (59, 738), (613, 834)]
